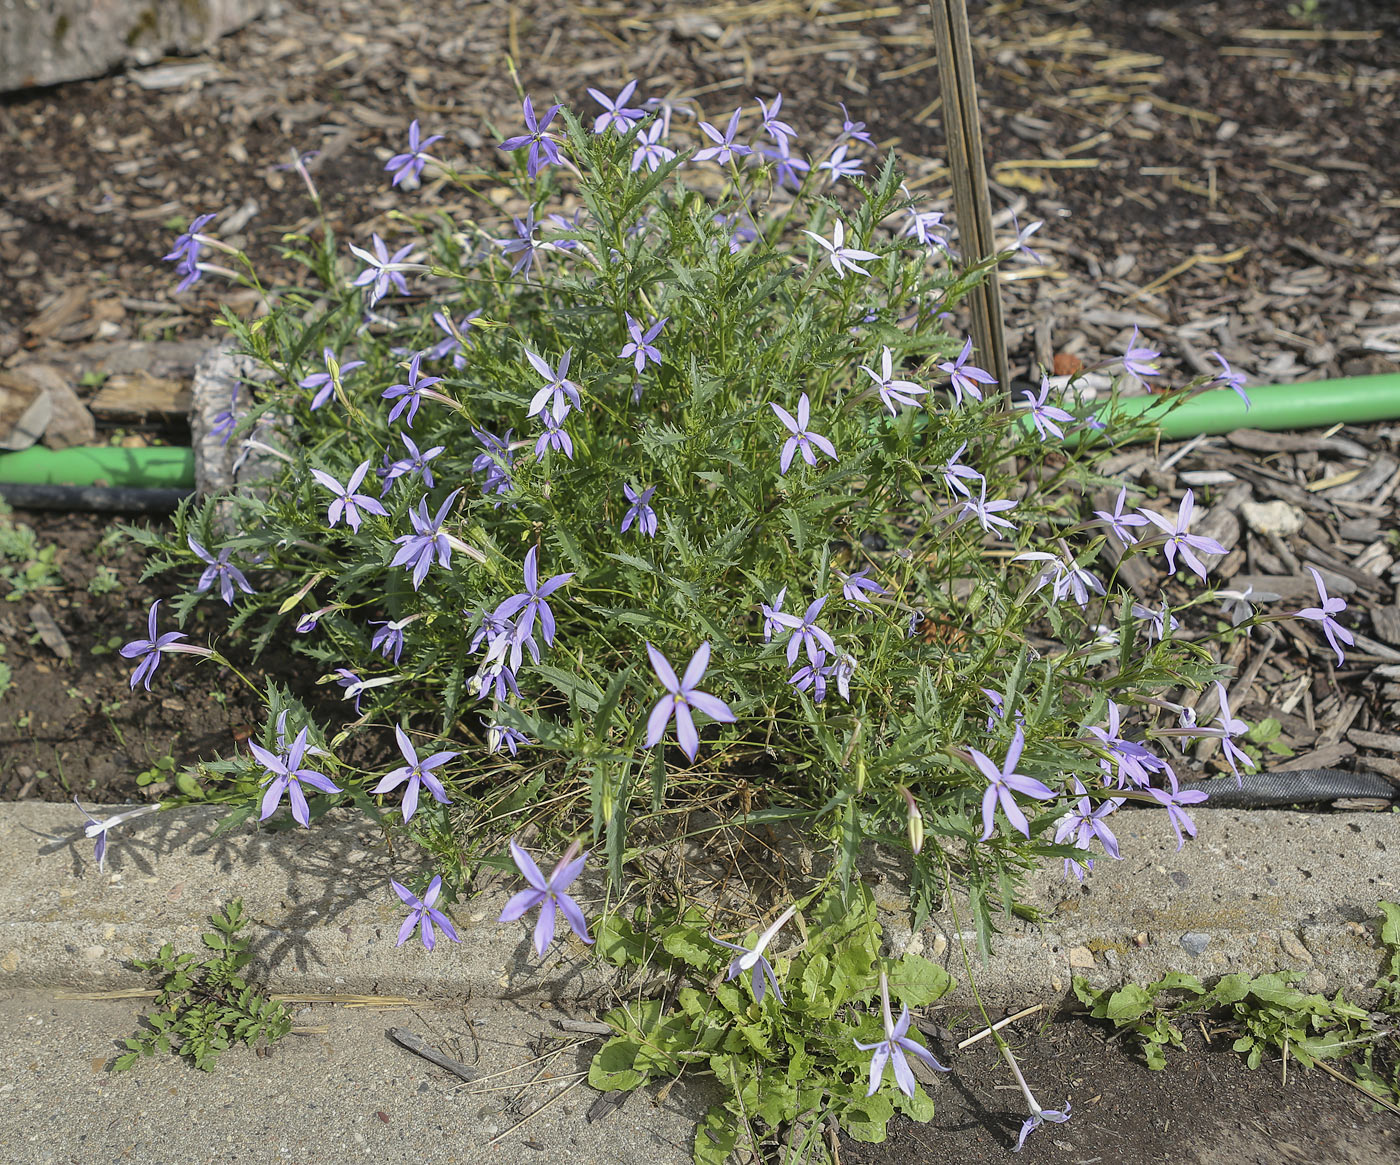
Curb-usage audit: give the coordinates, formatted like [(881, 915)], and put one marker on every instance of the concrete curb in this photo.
[(1257, 892)]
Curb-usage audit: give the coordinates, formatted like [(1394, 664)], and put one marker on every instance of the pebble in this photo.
[(1295, 949), (1194, 942), (1081, 957)]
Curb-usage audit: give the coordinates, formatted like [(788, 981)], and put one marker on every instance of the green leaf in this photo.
[(690, 945), (865, 1120), (1128, 1003), (715, 1137), (611, 1069), (918, 982)]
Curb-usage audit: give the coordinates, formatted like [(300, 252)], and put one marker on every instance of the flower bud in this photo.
[(916, 821)]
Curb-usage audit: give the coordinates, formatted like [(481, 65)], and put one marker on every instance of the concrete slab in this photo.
[(347, 1093)]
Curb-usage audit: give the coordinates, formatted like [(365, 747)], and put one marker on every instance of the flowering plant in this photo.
[(688, 378)]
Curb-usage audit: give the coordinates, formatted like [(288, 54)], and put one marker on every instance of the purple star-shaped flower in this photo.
[(221, 570), (531, 601), (805, 632), (640, 346), (458, 338), (966, 377), (416, 551), (383, 269), (544, 146), (1044, 415), (423, 913), (779, 131), (1331, 605), (1137, 362), (1173, 800), (1004, 781), (788, 168), (185, 254), (650, 151), (770, 616), (417, 773), (725, 146), (499, 736), (955, 474), (986, 512), (1178, 539), (98, 827), (559, 391), (640, 510), (325, 383), (410, 165), (681, 696), (854, 130), (838, 166), (416, 462), (615, 113), (751, 958), (523, 245), (840, 255), (891, 390), (284, 774), (388, 640), (1118, 522), (1229, 377), (854, 586), (346, 500), (801, 438), (548, 894), (553, 437), (150, 649), (1230, 727), (892, 1048), (409, 395)]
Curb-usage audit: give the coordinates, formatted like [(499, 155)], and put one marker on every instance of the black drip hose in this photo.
[(110, 499), (1299, 787)]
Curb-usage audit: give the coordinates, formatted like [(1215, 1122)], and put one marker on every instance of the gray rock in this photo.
[(1194, 942), (50, 41), (70, 423)]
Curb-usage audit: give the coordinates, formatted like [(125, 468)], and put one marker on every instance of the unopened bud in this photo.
[(916, 821)]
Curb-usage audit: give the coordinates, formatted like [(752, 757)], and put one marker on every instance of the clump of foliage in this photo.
[(206, 1005), (785, 1066), (1271, 1015)]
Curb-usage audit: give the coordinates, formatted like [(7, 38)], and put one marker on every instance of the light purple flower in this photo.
[(770, 616), (640, 346), (544, 146), (787, 167), (383, 269), (500, 736), (98, 827), (1229, 377), (892, 1048), (779, 131), (1044, 415), (1331, 605), (523, 245), (1084, 824), (415, 462), (1037, 1118), (854, 586), (151, 649), (346, 500), (1119, 522), (801, 438), (458, 338), (854, 130), (416, 551), (531, 601), (966, 377), (221, 570), (640, 510), (185, 254), (839, 166), (805, 632), (955, 474), (1021, 244), (725, 146), (1137, 362), (1230, 727), (1004, 781), (410, 165), (986, 512), (548, 894), (409, 395), (681, 696), (1178, 539), (495, 461), (840, 255), (558, 391), (325, 382), (650, 151), (1159, 623), (891, 391), (417, 773), (423, 913), (751, 958), (283, 775), (388, 640), (615, 113), (812, 675), (1173, 800)]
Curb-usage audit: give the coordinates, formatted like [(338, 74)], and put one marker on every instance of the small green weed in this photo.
[(25, 565), (1269, 1015), (784, 1069), (205, 1006), (104, 581)]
